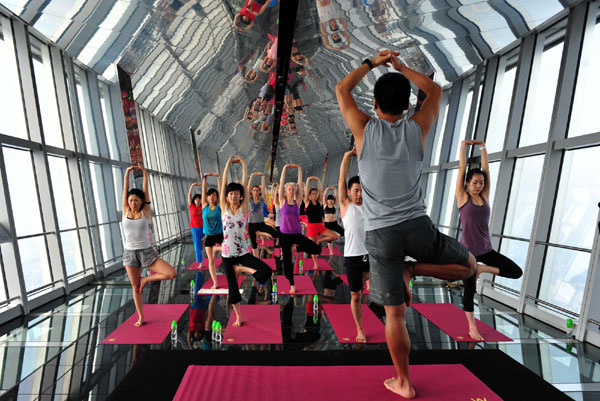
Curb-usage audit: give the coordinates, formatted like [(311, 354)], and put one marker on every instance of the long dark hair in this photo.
[(474, 171), (140, 194)]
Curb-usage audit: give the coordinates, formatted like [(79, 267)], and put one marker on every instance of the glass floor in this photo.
[(55, 352)]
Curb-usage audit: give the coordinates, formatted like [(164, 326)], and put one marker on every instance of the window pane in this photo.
[(108, 122), (494, 169), (517, 251), (523, 196), (106, 242), (429, 194), (23, 191), (587, 103), (61, 185), (463, 126), (540, 98), (118, 176), (448, 202), (564, 277), (2, 287), (12, 117), (578, 194), (88, 133), (71, 252), (99, 193), (34, 259), (500, 109), (46, 92)]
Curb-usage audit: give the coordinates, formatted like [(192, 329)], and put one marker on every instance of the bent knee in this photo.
[(171, 274), (355, 296), (395, 311)]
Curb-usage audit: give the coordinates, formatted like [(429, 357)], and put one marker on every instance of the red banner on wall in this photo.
[(131, 122)]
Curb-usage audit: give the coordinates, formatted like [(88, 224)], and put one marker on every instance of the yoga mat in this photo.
[(271, 262), (205, 263), (222, 287), (261, 324), (304, 285), (344, 327), (158, 319), (452, 321), (336, 252), (267, 242), (333, 383), (197, 266), (345, 280), (277, 252), (307, 264)]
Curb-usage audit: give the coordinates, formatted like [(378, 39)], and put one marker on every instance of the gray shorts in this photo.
[(417, 238), (139, 257)]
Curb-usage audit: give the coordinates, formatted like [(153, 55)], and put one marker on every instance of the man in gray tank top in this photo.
[(390, 159)]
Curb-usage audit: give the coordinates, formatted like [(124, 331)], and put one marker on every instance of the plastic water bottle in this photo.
[(214, 330), (274, 294), (219, 334), (316, 304), (192, 288), (410, 285), (570, 327), (300, 268), (174, 332)]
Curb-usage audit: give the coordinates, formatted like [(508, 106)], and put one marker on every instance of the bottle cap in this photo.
[(316, 298), (173, 325), (569, 323), (192, 284), (214, 325), (300, 263), (274, 287)]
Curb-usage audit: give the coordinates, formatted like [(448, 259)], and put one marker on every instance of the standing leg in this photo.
[(212, 269), (357, 314), (314, 257), (286, 241), (398, 343), (234, 291), (197, 235), (138, 300)]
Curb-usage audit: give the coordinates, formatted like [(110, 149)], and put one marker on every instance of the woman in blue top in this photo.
[(212, 224)]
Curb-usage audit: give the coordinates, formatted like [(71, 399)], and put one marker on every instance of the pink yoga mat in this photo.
[(221, 285), (304, 285), (452, 321), (277, 252), (345, 280), (261, 324), (307, 264), (205, 263), (271, 262), (153, 331), (197, 266), (332, 383), (343, 324), (336, 252), (267, 242)]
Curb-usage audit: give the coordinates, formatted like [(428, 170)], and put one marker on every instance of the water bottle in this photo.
[(214, 330), (300, 268), (192, 288), (274, 294), (316, 305), (219, 334), (174, 332), (570, 327), (410, 285)]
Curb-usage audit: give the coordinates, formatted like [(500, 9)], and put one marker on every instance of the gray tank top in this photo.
[(256, 211), (136, 233), (390, 164)]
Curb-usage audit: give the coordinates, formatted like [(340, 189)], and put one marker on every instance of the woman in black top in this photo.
[(314, 212), (329, 202)]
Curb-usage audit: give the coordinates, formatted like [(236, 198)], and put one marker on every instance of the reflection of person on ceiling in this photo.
[(245, 18), (334, 28)]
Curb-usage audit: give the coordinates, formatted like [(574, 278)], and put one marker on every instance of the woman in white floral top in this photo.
[(236, 254)]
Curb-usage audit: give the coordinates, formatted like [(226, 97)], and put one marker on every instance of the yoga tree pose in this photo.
[(473, 205), (139, 251), (330, 218), (314, 213), (256, 218), (213, 226)]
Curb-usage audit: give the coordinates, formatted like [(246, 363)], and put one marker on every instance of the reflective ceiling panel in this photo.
[(198, 63)]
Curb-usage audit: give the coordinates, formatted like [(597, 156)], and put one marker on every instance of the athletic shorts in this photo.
[(355, 267), (315, 229), (139, 257), (417, 238), (212, 240)]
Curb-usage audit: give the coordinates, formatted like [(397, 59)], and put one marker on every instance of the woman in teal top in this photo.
[(213, 226)]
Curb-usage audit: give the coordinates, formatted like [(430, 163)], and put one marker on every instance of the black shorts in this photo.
[(334, 226), (417, 238), (212, 240), (356, 266)]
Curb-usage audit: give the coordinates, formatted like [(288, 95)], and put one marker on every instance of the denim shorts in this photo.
[(139, 257), (417, 238)]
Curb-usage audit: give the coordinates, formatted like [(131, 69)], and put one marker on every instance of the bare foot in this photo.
[(214, 286), (238, 322), (406, 390), (478, 272), (140, 322), (143, 283), (360, 336), (367, 285), (474, 333), (292, 289), (407, 292)]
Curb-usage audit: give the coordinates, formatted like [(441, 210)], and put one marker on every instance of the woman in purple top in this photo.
[(474, 208), (290, 195)]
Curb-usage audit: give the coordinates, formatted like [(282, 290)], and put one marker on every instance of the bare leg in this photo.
[(162, 271), (314, 257), (486, 269), (238, 315), (473, 331), (138, 300), (398, 343), (212, 268), (357, 314), (450, 272), (327, 236), (330, 246)]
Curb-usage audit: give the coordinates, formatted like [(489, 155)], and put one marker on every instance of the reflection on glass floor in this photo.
[(56, 351)]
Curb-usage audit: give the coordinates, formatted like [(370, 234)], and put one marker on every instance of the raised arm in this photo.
[(306, 190), (204, 200), (299, 191), (485, 167), (335, 195), (461, 194), (222, 197), (282, 186), (125, 204), (319, 187), (355, 118), (145, 183), (343, 179), (263, 188), (324, 197), (190, 193), (430, 108), (244, 178)]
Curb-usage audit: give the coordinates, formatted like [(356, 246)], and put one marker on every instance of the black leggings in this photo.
[(303, 244), (262, 274), (334, 226), (262, 227), (507, 268)]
